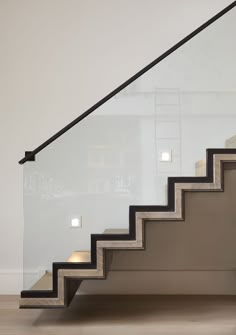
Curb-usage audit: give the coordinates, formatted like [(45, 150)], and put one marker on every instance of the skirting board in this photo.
[(222, 282)]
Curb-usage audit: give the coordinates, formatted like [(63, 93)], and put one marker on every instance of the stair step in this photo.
[(80, 257), (116, 231), (44, 283)]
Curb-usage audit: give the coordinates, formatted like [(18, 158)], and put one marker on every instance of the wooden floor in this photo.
[(124, 315)]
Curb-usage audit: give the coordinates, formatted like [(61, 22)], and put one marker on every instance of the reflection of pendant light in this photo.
[(165, 156)]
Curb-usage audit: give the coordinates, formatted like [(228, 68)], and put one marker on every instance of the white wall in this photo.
[(59, 57)]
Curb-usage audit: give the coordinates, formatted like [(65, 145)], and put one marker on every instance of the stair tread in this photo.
[(80, 256), (44, 283), (116, 231)]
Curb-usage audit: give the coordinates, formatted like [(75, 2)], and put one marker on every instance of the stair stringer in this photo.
[(174, 211)]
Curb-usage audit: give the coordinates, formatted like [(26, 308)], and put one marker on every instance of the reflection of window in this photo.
[(122, 184), (96, 157), (99, 185), (43, 185), (104, 157), (117, 184)]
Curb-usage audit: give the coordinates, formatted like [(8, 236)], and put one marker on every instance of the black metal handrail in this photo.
[(30, 155)]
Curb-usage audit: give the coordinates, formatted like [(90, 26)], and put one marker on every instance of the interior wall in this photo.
[(57, 59)]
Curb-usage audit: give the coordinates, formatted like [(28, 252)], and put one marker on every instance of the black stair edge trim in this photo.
[(132, 233), (31, 154)]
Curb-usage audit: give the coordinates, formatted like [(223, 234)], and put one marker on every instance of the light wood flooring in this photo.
[(124, 315)]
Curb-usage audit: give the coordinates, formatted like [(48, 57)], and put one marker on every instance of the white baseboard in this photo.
[(138, 282)]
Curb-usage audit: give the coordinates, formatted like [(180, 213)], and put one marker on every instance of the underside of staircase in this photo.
[(66, 277)]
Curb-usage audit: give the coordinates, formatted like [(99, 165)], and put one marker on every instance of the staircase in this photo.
[(104, 168), (67, 277)]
